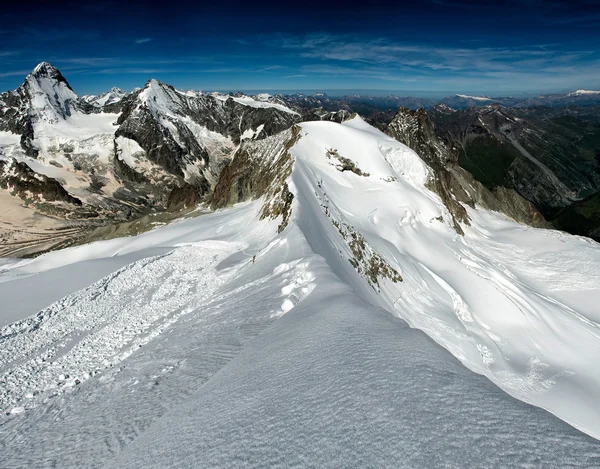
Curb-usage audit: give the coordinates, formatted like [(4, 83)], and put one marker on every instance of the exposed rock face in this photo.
[(120, 155), (22, 181), (544, 154), (193, 136), (260, 168), (183, 197), (320, 114), (452, 183)]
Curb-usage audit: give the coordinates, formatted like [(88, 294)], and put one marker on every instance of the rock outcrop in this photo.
[(453, 184)]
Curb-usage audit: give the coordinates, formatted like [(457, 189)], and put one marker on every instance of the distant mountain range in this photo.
[(89, 161)]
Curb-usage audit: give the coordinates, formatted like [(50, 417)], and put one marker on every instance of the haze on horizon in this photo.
[(430, 48)]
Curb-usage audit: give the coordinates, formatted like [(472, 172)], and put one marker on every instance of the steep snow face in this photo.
[(51, 97)]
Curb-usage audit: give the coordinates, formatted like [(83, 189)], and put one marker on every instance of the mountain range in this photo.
[(72, 164), (251, 281)]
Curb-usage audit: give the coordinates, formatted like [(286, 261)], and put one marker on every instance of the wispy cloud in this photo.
[(270, 68), (294, 76), (15, 73), (385, 59), (143, 40)]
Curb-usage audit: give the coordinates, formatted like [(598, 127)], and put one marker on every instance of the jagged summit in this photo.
[(45, 70), (44, 67), (47, 94)]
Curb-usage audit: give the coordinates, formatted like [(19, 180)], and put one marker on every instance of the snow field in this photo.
[(264, 349), (516, 304)]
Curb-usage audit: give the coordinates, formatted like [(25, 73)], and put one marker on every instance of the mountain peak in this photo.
[(47, 70), (43, 67), (51, 97)]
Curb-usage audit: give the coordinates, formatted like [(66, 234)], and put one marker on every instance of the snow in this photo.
[(583, 92), (112, 96), (478, 296), (476, 98), (218, 342), (259, 101), (129, 151), (51, 100), (90, 137), (8, 138), (251, 102)]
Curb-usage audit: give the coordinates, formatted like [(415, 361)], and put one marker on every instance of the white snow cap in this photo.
[(583, 93), (476, 98)]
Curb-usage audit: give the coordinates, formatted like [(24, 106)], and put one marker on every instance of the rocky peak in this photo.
[(417, 131), (456, 186), (48, 95), (48, 71)]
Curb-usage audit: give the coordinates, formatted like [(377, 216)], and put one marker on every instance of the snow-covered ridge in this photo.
[(263, 100), (513, 303), (476, 98), (136, 321), (583, 93), (112, 96)]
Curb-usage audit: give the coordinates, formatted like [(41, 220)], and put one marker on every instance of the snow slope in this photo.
[(516, 304), (178, 348)]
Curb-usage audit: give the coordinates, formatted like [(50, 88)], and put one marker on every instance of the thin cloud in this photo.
[(295, 76), (143, 40), (384, 57), (15, 73), (271, 67)]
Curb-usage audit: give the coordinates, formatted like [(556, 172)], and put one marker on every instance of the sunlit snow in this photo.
[(217, 342)]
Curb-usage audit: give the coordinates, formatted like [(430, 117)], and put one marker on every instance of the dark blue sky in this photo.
[(432, 47)]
